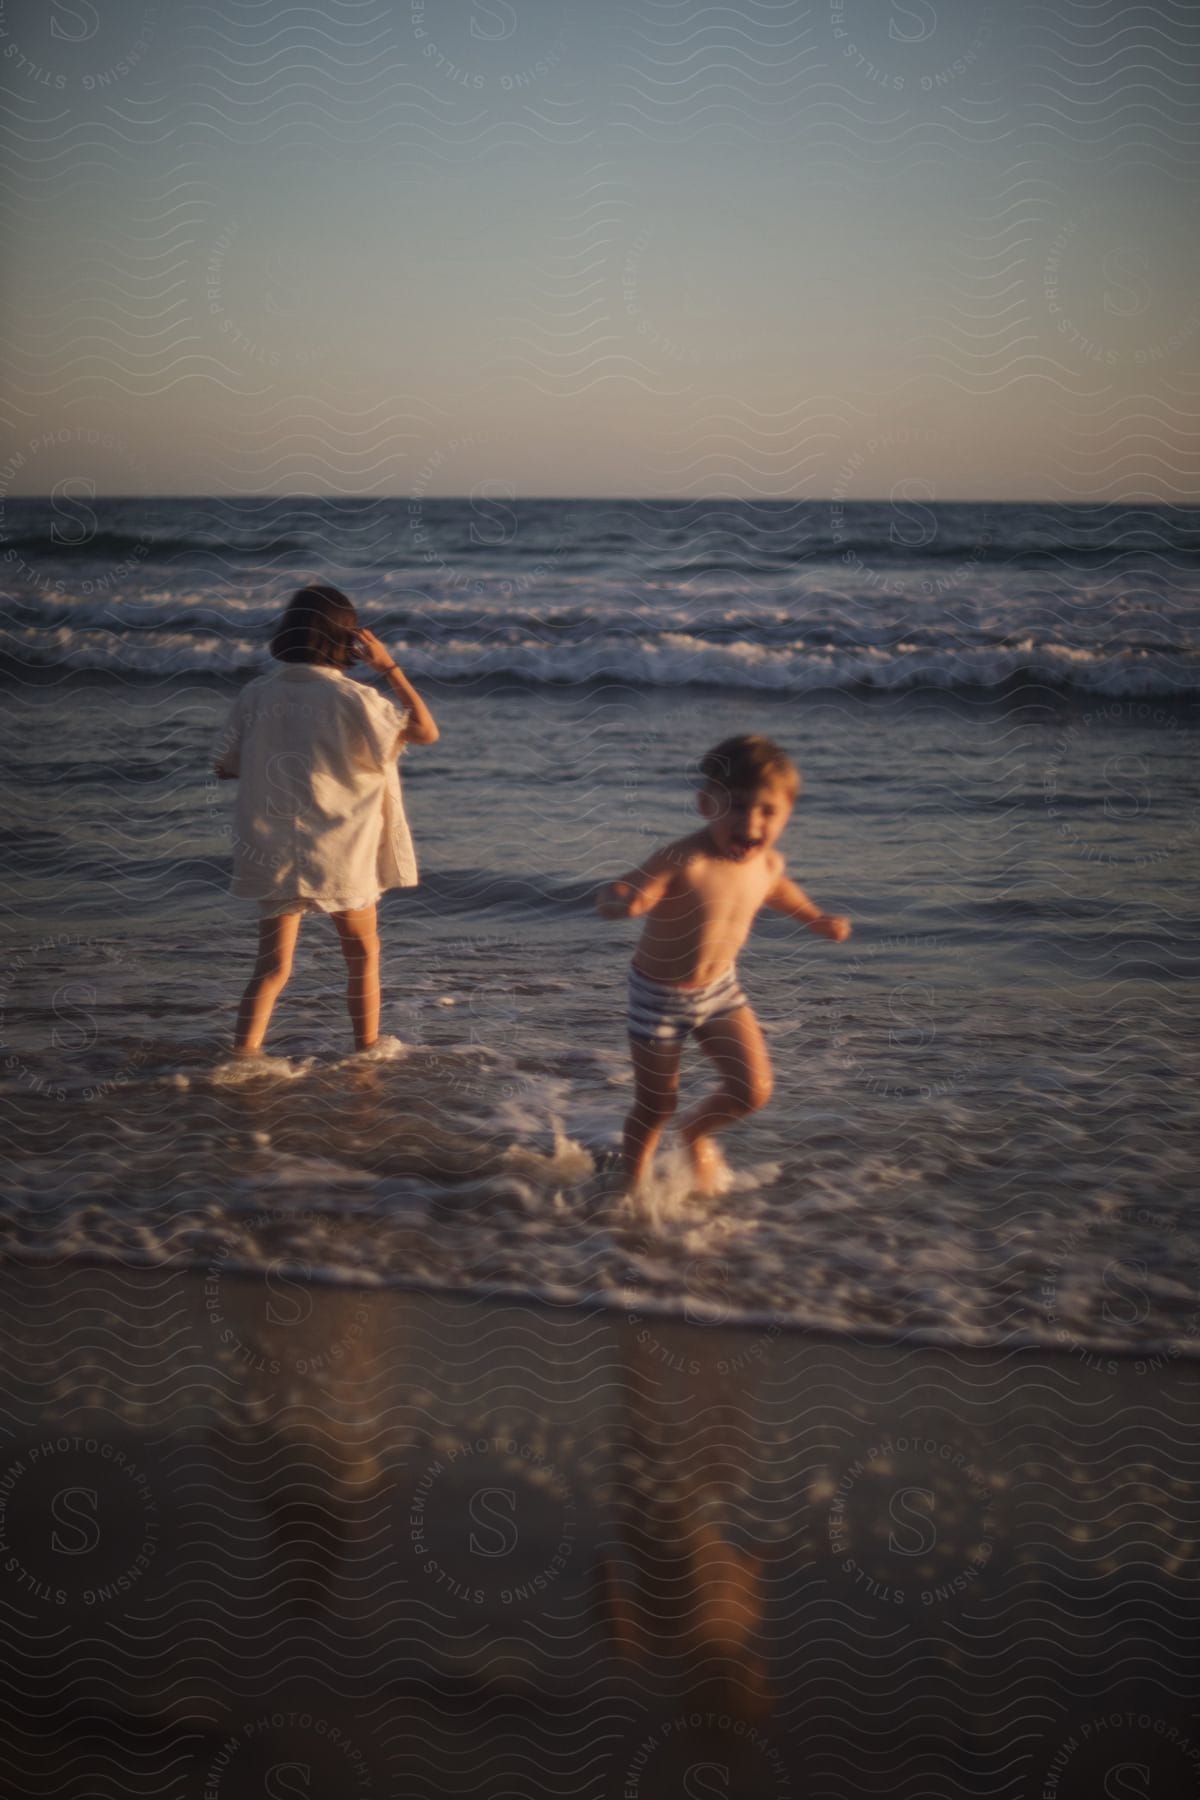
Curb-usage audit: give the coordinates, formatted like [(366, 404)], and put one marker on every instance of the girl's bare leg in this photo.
[(360, 947), (736, 1047), (276, 944), (655, 1094)]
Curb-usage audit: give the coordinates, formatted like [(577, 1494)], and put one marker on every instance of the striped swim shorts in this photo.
[(659, 1014)]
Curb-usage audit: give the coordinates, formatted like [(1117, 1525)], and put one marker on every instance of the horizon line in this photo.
[(641, 499)]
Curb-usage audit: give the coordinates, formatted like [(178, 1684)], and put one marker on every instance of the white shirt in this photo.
[(319, 814)]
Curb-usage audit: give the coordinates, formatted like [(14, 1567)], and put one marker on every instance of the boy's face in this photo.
[(745, 822)]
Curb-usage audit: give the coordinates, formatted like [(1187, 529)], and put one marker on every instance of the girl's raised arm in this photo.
[(421, 727)]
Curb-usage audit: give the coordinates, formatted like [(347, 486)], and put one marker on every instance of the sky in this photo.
[(553, 247)]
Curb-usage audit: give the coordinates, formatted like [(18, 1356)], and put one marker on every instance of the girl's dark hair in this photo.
[(317, 627)]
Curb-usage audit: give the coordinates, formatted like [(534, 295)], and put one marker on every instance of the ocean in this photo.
[(983, 1130)]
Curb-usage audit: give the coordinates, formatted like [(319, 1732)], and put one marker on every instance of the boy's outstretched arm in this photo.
[(786, 897), (638, 892)]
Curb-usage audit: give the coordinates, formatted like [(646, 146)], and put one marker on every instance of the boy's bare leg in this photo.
[(737, 1049), (360, 947), (276, 944), (655, 1095)]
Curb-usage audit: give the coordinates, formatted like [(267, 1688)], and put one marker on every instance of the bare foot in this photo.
[(707, 1165), (637, 1180)]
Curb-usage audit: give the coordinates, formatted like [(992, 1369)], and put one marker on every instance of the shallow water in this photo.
[(983, 1127)]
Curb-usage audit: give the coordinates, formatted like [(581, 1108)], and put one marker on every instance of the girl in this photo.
[(320, 825)]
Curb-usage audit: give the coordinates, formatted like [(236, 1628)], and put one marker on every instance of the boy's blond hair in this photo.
[(748, 762)]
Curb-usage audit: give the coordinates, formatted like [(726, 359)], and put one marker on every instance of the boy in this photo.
[(699, 897)]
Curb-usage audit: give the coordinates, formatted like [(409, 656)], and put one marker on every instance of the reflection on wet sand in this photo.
[(679, 1594), (412, 1544)]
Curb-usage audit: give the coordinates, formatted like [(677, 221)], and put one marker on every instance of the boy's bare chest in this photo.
[(724, 892)]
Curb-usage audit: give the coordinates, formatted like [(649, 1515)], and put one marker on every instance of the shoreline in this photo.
[(249, 1522), (1154, 1357)]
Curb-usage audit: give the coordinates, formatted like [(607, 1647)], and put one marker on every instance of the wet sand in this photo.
[(263, 1537)]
